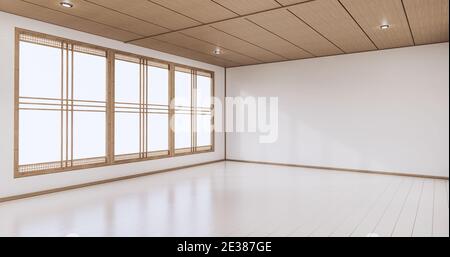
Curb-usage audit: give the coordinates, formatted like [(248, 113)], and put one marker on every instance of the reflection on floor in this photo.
[(237, 199)]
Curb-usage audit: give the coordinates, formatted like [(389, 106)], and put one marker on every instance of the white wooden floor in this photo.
[(237, 199)]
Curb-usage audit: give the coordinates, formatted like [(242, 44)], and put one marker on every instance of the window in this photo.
[(61, 105), (183, 110), (127, 108), (81, 106), (158, 109), (204, 108), (193, 111), (141, 107)]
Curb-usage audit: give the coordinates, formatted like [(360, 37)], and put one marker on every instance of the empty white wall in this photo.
[(10, 186), (381, 111)]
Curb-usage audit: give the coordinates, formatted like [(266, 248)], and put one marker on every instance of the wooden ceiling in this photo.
[(249, 31)]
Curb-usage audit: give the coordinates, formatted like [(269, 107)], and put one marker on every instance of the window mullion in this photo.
[(212, 109), (72, 105), (171, 109), (146, 106), (67, 106), (194, 108), (62, 105), (110, 107), (140, 110), (192, 111)]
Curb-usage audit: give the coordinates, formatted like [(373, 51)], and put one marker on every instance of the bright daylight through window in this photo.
[(81, 106)]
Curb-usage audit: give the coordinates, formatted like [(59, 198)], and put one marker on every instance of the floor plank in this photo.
[(331, 221), (423, 226), (238, 199), (360, 212), (405, 222), (386, 224), (368, 224), (440, 212)]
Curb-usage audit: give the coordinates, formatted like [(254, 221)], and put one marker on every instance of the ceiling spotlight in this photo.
[(66, 4), (217, 51), (385, 26)]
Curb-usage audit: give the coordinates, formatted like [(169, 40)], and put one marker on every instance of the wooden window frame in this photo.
[(143, 153), (110, 108), (194, 110)]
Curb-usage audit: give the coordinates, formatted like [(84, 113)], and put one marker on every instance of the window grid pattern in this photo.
[(202, 110), (143, 108), (67, 105), (194, 111)]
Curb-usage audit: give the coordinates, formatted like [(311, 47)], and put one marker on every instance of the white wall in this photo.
[(382, 111), (10, 186)]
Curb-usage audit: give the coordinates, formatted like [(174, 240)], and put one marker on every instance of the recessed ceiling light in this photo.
[(385, 26), (217, 51), (66, 4)]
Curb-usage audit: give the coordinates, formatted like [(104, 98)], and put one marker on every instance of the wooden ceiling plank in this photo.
[(318, 32), (288, 26), (250, 32), (223, 6), (148, 11), (409, 24), (199, 10), (102, 15), (243, 7), (222, 39), (61, 19), (182, 40), (282, 38), (225, 50), (334, 22), (290, 2), (215, 21), (359, 26), (428, 20), (370, 15), (183, 52)]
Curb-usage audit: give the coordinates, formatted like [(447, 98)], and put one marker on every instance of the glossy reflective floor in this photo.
[(237, 199)]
